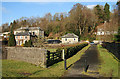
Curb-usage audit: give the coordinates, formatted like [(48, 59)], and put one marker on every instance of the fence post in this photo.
[(63, 56), (64, 59), (48, 55), (53, 55)]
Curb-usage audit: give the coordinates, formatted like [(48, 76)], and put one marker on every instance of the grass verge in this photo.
[(13, 68), (52, 50), (109, 65)]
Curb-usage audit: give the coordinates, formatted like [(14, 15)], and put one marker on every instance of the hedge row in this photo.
[(70, 51), (54, 57)]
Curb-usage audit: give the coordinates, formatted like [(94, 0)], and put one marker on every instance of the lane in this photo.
[(90, 59), (0, 49)]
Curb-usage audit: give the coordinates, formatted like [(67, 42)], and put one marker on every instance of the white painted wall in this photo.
[(69, 40)]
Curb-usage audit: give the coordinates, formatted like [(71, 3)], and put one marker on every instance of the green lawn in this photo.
[(12, 68), (109, 64), (52, 49)]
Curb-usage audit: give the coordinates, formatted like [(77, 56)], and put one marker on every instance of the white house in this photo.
[(104, 30), (70, 38)]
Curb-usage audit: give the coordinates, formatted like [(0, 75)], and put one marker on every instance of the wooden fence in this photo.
[(53, 57)]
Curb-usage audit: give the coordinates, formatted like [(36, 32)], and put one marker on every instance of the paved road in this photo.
[(90, 59), (0, 50)]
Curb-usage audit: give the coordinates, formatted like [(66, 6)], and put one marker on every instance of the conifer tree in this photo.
[(100, 13), (106, 12), (12, 41)]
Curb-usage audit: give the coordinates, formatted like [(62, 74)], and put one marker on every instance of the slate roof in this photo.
[(23, 34), (29, 28), (70, 35)]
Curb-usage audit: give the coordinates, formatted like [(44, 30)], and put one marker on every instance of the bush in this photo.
[(22, 44), (50, 37), (5, 41), (117, 37), (70, 51), (28, 44)]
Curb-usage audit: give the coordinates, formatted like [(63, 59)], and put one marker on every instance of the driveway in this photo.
[(90, 61)]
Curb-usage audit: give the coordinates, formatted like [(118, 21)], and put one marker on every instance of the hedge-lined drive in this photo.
[(54, 57)]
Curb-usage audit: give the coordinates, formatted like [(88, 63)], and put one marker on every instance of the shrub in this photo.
[(22, 44), (50, 37), (25, 45), (117, 37), (70, 51), (28, 44)]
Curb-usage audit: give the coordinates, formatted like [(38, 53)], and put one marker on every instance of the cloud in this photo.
[(59, 0), (91, 6), (3, 9)]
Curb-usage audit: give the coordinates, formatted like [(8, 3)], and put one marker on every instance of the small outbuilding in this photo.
[(70, 38)]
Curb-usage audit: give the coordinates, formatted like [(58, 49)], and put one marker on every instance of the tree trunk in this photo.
[(80, 30)]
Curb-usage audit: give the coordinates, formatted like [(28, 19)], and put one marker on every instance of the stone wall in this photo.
[(32, 55)]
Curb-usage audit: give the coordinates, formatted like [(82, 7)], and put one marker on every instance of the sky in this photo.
[(14, 10)]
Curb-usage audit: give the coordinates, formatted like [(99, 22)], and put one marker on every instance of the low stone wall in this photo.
[(32, 55)]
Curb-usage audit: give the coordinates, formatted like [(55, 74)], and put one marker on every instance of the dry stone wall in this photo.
[(32, 55)]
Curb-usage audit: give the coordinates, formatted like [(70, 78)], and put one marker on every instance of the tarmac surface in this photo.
[(89, 62), (0, 50)]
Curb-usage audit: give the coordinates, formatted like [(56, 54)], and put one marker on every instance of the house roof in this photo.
[(100, 26), (29, 28), (70, 35), (23, 34)]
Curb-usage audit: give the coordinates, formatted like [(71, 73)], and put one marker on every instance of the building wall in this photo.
[(69, 40), (35, 56), (20, 41), (36, 32), (41, 34), (15, 32)]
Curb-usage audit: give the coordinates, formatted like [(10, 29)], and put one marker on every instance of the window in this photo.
[(21, 37), (65, 39), (25, 37), (16, 37), (17, 42)]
